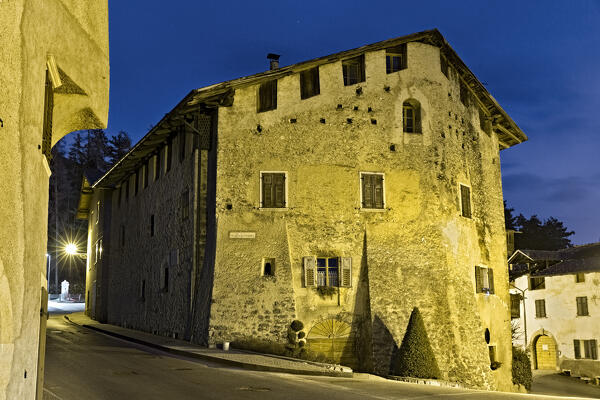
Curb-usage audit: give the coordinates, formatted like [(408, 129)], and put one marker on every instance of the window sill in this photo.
[(541, 317), (273, 209), (587, 315), (373, 209)]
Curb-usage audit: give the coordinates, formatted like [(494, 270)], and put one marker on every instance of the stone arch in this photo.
[(544, 350), (411, 116)]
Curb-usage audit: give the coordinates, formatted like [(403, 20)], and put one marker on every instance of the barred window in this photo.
[(540, 308), (582, 306)]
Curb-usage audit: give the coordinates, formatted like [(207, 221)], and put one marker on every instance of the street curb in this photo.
[(239, 364), (423, 381)]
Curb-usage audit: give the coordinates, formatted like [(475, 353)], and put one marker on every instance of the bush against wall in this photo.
[(415, 357), (521, 368)]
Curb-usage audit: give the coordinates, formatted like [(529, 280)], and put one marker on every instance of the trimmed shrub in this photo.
[(301, 335), (297, 325), (521, 368), (415, 357)]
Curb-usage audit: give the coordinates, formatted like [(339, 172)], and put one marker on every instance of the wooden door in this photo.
[(333, 338), (545, 353)]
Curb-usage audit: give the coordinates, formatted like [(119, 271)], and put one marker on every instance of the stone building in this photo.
[(343, 191), (54, 77), (555, 298)]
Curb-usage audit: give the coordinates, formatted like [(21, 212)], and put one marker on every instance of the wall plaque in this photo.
[(242, 235)]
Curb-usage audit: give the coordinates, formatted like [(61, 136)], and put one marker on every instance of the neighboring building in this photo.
[(343, 191), (54, 78), (561, 324)]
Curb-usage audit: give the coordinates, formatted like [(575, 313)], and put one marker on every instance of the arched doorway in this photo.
[(333, 338), (545, 352)]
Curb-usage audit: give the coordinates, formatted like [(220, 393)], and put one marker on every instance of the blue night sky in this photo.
[(539, 59)]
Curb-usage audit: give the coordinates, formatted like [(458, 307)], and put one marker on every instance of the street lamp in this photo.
[(71, 249)]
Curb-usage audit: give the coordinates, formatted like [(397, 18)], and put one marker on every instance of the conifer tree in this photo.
[(415, 357), (119, 145)]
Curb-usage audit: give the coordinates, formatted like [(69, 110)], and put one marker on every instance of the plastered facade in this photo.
[(72, 40), (562, 324)]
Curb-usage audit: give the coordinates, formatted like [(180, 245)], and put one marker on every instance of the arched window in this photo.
[(411, 116)]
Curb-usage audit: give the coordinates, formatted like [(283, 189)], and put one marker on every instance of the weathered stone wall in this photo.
[(144, 257), (419, 251), (29, 32)]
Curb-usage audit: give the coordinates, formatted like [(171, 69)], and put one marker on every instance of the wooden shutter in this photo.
[(279, 190), (577, 348), (377, 181), (465, 199), (478, 280), (594, 349), (367, 190), (417, 122), (310, 273), (267, 190), (491, 280), (346, 280)]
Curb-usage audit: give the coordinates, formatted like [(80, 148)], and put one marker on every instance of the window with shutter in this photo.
[(273, 190), (540, 308), (582, 306), (267, 96), (309, 271), (309, 83), (515, 305), (465, 201), (579, 277), (478, 279), (577, 348), (372, 190), (353, 70), (537, 283), (346, 272)]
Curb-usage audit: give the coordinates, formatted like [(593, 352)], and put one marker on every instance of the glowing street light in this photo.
[(71, 249)]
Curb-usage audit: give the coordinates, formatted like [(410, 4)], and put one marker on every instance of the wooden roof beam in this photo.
[(506, 131)]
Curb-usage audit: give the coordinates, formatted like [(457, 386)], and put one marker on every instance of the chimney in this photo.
[(274, 60)]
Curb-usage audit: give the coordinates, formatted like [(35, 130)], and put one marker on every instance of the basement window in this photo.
[(372, 191), (465, 201), (273, 190), (309, 83), (353, 70), (484, 280), (267, 96), (395, 58)]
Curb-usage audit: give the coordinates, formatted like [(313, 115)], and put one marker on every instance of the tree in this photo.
[(415, 357), (549, 234), (119, 145)]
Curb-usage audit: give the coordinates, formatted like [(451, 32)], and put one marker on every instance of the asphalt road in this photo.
[(83, 364)]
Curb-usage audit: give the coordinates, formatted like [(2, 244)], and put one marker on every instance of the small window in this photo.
[(395, 58), (327, 271), (309, 83), (143, 290), (582, 306), (537, 283), (354, 70), (273, 190), (484, 280), (579, 277), (372, 192), (464, 94), (152, 225), (267, 96), (465, 201), (146, 171), (169, 155), (157, 164), (540, 308), (185, 205), (182, 135), (165, 280), (268, 267), (411, 116), (515, 305), (444, 65)]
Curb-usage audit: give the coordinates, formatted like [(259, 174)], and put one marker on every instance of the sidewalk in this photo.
[(233, 357)]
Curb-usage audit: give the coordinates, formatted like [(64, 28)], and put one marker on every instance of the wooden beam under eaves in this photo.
[(506, 131)]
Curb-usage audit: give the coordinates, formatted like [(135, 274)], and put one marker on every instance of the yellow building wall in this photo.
[(418, 252), (74, 36)]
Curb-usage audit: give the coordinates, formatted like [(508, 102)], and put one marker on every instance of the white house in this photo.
[(560, 293)]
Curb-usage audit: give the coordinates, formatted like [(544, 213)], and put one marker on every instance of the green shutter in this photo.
[(478, 280)]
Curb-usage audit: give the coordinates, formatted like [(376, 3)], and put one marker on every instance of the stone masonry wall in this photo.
[(164, 312), (419, 251)]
